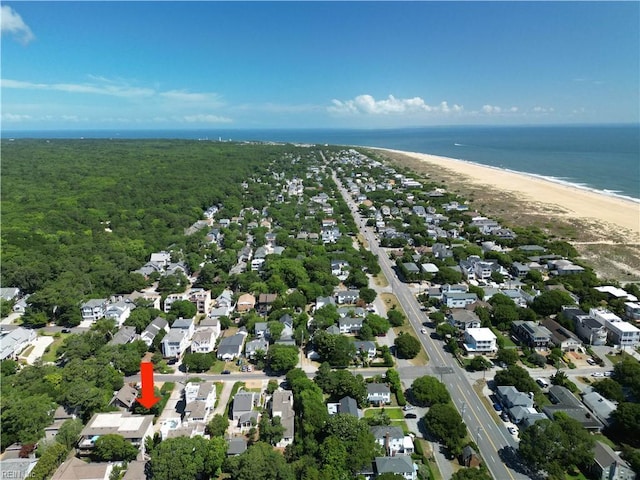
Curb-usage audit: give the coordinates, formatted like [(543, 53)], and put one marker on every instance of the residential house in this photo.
[(282, 406), (210, 322), (201, 298), (261, 329), (340, 269), (511, 397), (520, 269), (351, 311), (350, 325), (378, 393), (60, 415), (631, 311), (607, 464), (175, 343), (119, 311), (125, 335), (401, 465), (265, 300), (231, 347), (392, 440), (470, 457), (125, 398), (12, 342), (619, 332), (561, 337), (134, 428), (203, 340), (76, 469), (242, 409), (347, 406), (588, 328), (185, 324), (200, 400), (152, 330), (366, 348), (480, 340), (463, 319), (255, 345), (345, 297), (245, 303), (173, 297), (458, 300), (236, 446), (94, 309), (600, 406), (225, 301), (532, 334), (430, 268), (564, 401), (9, 293)]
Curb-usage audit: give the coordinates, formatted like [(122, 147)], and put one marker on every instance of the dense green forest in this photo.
[(79, 215)]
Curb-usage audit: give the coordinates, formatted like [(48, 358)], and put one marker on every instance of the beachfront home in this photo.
[(480, 340)]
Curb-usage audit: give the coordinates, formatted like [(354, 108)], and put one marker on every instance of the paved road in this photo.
[(493, 439)]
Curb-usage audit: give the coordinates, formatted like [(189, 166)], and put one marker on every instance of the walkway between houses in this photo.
[(224, 398), (170, 407)]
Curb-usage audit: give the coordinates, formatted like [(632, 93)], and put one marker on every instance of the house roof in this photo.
[(378, 388), (127, 395), (237, 445), (183, 323), (76, 469), (349, 406), (604, 455), (381, 431), (126, 334), (398, 464), (203, 335), (121, 423), (243, 402)]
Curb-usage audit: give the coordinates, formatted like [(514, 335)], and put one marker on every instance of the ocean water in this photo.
[(604, 158)]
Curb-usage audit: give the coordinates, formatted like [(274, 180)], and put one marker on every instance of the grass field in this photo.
[(51, 353)]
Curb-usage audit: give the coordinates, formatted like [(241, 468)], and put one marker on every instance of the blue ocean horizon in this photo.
[(601, 158)]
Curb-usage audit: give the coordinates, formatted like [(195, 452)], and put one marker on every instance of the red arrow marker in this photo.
[(148, 398)]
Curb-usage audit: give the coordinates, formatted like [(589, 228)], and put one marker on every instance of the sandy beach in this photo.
[(562, 200)]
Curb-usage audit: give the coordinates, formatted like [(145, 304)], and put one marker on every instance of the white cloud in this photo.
[(185, 96), (495, 109), (15, 117), (204, 118), (100, 89), (11, 23), (367, 104), (543, 109)]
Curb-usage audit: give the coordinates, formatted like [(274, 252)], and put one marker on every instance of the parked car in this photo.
[(66, 330), (423, 330), (408, 407), (591, 361), (542, 382), (225, 372), (513, 430), (504, 416), (597, 374), (497, 407), (608, 374), (410, 415)]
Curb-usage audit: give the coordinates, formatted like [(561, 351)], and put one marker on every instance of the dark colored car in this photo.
[(66, 330), (498, 407), (225, 372), (410, 415)]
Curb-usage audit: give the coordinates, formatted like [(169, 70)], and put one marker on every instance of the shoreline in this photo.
[(573, 199)]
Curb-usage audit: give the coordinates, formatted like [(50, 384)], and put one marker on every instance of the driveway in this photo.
[(40, 344)]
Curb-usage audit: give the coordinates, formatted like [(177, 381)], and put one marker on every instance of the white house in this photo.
[(175, 343), (203, 340), (231, 347), (479, 340), (619, 332), (378, 393), (14, 341), (94, 309), (392, 440), (458, 300), (282, 406), (173, 297), (152, 330), (119, 311), (186, 324)]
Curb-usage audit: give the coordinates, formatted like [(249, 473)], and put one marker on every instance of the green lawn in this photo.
[(394, 413), (508, 343), (51, 352)]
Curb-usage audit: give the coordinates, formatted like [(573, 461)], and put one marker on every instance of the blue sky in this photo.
[(166, 65)]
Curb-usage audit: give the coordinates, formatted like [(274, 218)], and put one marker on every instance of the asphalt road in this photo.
[(494, 441)]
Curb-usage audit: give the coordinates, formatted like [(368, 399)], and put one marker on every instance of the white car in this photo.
[(513, 431), (423, 330), (597, 374)]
